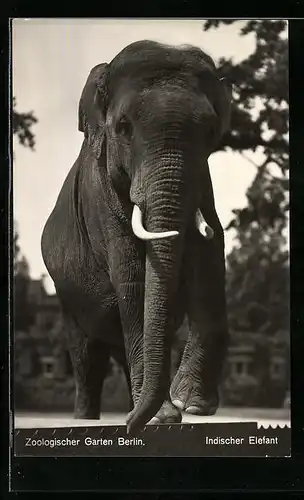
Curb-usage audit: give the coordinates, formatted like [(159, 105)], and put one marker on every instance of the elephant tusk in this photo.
[(202, 225), (140, 231)]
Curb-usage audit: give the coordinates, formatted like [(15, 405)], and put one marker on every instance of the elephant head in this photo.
[(157, 112)]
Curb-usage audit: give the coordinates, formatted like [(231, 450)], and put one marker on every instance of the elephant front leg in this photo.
[(132, 320), (128, 278), (195, 388), (130, 295), (169, 413), (127, 274)]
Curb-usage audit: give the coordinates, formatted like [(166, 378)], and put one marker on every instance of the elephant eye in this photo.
[(124, 127)]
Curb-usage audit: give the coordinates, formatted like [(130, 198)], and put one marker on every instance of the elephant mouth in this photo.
[(140, 232)]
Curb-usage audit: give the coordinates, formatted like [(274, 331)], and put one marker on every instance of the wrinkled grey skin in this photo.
[(150, 118)]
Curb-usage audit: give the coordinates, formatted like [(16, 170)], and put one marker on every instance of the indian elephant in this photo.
[(134, 244)]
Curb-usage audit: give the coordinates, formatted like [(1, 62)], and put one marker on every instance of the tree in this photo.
[(23, 317), (23, 313), (258, 265), (259, 120), (16, 250), (22, 124), (258, 282)]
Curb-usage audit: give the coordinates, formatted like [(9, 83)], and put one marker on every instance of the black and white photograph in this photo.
[(150, 237)]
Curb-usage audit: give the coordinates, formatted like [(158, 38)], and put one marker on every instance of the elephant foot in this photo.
[(168, 414), (188, 397)]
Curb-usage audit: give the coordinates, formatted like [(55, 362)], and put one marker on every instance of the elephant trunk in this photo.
[(166, 210)]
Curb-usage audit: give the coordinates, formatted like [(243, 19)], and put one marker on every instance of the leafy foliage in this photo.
[(23, 317), (22, 124), (258, 283), (258, 265), (259, 120)]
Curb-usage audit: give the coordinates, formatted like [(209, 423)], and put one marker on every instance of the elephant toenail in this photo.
[(205, 410), (196, 410), (179, 404), (154, 421)]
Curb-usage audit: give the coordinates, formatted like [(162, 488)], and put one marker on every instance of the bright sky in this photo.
[(51, 61)]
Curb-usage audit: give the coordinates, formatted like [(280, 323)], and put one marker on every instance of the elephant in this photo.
[(134, 244)]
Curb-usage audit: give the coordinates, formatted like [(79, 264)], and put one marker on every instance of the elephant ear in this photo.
[(92, 108), (222, 105)]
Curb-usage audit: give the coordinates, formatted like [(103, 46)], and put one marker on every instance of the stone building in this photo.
[(256, 371)]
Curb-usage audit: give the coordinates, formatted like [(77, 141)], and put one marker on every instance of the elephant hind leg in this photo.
[(90, 360)]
